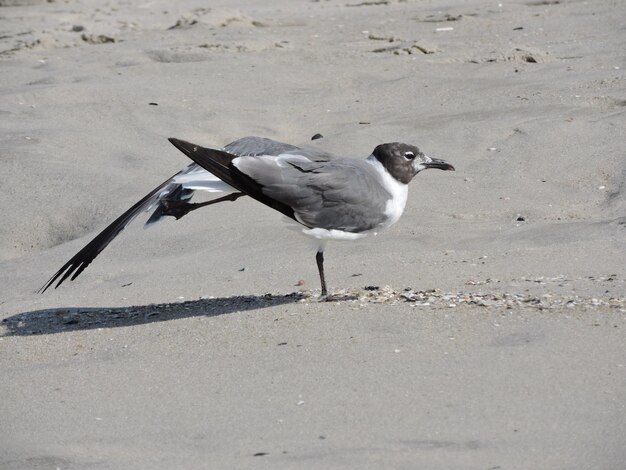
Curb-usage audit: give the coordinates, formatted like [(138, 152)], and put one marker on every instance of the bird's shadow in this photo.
[(62, 320)]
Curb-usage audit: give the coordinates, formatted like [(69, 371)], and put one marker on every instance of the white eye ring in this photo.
[(409, 155)]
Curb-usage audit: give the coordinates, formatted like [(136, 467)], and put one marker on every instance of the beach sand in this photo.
[(486, 329)]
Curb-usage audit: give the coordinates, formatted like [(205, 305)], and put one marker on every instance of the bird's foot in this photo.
[(336, 297), (176, 208)]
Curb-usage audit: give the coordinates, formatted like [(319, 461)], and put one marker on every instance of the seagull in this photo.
[(327, 197)]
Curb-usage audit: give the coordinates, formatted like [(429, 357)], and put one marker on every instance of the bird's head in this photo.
[(404, 161)]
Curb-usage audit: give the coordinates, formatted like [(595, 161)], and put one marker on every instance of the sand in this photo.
[(486, 328)]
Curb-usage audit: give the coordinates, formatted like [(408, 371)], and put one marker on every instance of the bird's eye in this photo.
[(409, 155)]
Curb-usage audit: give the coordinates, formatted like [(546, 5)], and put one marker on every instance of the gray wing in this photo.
[(255, 146), (341, 194)]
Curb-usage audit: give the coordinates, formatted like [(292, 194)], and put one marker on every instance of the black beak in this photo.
[(439, 164)]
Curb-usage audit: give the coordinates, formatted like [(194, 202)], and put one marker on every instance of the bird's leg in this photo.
[(320, 267), (228, 197), (178, 208), (326, 297)]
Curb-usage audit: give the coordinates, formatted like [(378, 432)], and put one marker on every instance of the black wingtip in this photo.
[(75, 266), (45, 287), (186, 147), (52, 280)]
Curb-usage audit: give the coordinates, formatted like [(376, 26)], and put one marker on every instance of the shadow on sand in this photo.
[(61, 320)]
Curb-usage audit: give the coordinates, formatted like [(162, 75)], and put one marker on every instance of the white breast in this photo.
[(393, 208), (399, 192)]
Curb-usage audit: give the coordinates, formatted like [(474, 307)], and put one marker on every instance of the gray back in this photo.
[(342, 194)]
